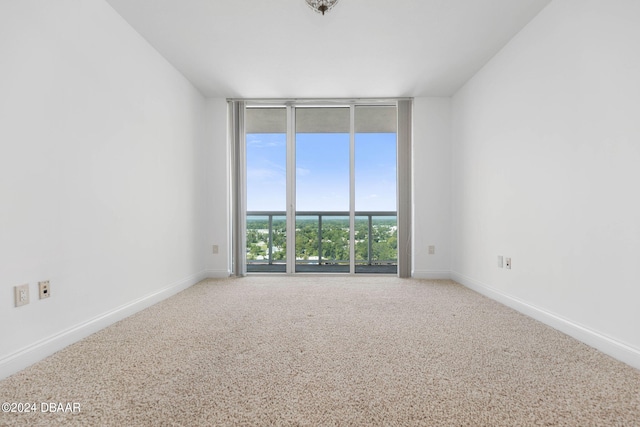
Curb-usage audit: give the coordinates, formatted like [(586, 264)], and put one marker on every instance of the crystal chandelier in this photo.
[(321, 6)]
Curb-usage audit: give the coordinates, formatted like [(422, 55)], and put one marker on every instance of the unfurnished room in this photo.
[(319, 212)]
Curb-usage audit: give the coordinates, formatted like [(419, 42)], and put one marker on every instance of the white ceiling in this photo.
[(361, 48)]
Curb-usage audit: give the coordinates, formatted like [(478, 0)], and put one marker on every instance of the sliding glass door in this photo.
[(322, 153), (266, 192), (321, 189), (375, 174)]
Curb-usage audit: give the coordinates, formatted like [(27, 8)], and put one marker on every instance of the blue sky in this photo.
[(322, 172)]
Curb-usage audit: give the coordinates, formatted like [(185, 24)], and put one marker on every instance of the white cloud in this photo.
[(303, 171), (263, 174)]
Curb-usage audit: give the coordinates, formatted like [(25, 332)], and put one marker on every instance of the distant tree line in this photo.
[(335, 239)]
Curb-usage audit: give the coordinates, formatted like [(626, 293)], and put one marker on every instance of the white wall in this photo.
[(432, 187), (218, 192), (546, 159), (102, 179)]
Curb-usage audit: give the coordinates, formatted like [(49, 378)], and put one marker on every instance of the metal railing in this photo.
[(370, 215)]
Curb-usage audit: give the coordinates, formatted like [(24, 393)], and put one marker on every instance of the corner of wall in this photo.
[(616, 349), (431, 187), (37, 351)]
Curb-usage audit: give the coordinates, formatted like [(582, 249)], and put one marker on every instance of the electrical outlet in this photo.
[(508, 263), (432, 250), (45, 291), (500, 262), (21, 295), (215, 249)]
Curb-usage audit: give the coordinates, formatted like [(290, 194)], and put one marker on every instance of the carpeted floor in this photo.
[(315, 351)]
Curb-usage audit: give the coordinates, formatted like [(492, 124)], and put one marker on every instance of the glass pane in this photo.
[(322, 189), (322, 242), (384, 240), (362, 240), (375, 162), (266, 155), (376, 240), (266, 243), (375, 189), (322, 172), (335, 240), (279, 239), (307, 239)]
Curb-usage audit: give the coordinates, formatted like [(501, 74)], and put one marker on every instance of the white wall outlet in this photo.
[(43, 287), (500, 263), (215, 249), (508, 263), (21, 295), (432, 250)]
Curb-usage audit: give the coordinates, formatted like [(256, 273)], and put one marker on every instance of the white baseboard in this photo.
[(217, 274), (614, 348), (431, 274), (33, 353), (43, 348)]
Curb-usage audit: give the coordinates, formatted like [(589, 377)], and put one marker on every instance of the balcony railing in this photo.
[(322, 241)]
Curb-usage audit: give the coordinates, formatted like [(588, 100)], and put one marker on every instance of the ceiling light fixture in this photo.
[(321, 6)]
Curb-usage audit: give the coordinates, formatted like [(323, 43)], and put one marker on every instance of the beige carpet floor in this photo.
[(317, 351)]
